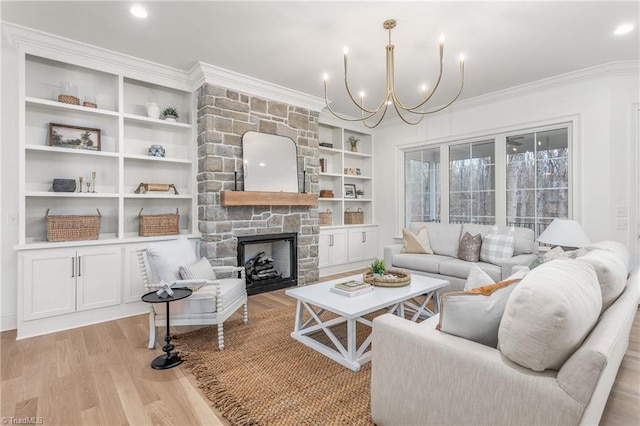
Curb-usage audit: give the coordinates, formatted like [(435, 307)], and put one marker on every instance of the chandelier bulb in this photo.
[(441, 38), (345, 51), (462, 57), (362, 94), (325, 76)]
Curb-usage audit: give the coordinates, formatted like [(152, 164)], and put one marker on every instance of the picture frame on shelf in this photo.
[(74, 137), (349, 190)]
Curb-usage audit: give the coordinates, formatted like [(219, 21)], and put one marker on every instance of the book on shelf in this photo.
[(353, 293)]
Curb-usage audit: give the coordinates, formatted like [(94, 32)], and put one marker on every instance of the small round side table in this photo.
[(169, 360)]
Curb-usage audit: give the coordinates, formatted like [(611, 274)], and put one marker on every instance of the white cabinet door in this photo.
[(99, 277), (363, 243), (333, 247), (49, 283)]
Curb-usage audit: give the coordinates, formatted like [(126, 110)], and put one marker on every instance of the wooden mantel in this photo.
[(260, 198)]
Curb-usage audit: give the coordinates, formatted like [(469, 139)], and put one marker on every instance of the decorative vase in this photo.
[(156, 151), (354, 148), (68, 93), (153, 110)]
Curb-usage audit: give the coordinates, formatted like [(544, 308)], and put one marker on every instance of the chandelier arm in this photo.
[(372, 126), (433, 90), (360, 106), (404, 119), (338, 115), (425, 112)]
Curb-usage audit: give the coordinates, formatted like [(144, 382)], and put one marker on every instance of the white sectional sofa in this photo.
[(421, 375), (444, 263)]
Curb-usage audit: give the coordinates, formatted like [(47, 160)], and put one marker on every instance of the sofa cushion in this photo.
[(497, 246), (416, 242), (475, 314), (611, 272), (419, 262), (166, 257), (444, 238), (460, 268), (469, 248), (615, 247), (524, 238), (549, 314)]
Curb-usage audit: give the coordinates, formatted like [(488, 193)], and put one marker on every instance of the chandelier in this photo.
[(420, 110)]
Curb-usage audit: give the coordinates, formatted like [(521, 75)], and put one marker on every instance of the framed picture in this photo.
[(349, 190), (75, 137)]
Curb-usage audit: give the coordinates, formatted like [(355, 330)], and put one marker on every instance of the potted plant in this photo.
[(354, 143), (170, 114), (378, 268), (359, 193)]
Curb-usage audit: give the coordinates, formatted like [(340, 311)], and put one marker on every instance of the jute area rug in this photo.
[(265, 377)]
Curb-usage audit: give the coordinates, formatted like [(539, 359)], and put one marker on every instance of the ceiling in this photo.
[(293, 43)]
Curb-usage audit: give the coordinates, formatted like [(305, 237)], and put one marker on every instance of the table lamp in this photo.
[(565, 233)]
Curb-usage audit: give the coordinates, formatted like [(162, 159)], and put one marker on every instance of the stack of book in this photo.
[(352, 288)]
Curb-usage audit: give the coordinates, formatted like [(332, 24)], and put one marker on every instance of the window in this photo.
[(537, 178), (472, 182), (422, 185)]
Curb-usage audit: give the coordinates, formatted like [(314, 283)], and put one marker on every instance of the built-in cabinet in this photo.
[(66, 284), (346, 170)]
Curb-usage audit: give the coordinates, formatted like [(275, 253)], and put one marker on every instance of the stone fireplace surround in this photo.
[(224, 115)]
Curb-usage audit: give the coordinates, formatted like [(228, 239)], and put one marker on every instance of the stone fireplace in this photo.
[(271, 261), (223, 117)]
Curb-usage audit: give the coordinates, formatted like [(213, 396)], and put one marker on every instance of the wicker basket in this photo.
[(72, 228), (68, 99), (353, 218), (400, 279), (326, 218), (153, 225)]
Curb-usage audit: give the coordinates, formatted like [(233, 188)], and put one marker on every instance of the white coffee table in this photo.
[(318, 298)]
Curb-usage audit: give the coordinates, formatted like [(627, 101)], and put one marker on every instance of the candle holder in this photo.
[(304, 181)]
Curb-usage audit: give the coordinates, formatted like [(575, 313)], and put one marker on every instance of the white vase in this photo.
[(153, 110)]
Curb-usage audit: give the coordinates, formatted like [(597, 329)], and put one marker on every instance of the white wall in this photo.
[(9, 191), (600, 100)]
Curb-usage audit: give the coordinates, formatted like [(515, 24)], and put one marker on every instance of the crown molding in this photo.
[(54, 47), (202, 73), (609, 69)]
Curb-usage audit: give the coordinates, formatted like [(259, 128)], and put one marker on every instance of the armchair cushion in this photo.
[(204, 300), (166, 257)]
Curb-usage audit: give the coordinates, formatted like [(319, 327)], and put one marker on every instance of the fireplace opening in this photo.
[(270, 261)]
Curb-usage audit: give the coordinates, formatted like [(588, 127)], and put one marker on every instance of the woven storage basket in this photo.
[(153, 225), (68, 99), (326, 218), (72, 227), (353, 218), (400, 278)]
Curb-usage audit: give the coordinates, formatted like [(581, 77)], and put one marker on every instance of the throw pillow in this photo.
[(497, 246), (416, 243), (477, 278), (475, 314), (549, 314), (611, 272), (200, 270), (469, 249)]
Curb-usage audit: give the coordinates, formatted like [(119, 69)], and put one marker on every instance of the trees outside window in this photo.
[(537, 178), (472, 182), (422, 185)]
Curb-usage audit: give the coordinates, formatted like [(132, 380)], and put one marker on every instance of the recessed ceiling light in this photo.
[(623, 29), (138, 11)]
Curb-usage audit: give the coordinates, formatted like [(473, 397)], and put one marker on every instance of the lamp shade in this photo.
[(565, 233)]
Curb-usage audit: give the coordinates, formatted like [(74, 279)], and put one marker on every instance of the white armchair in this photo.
[(215, 299)]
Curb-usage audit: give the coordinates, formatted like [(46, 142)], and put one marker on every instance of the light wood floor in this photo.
[(100, 375)]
